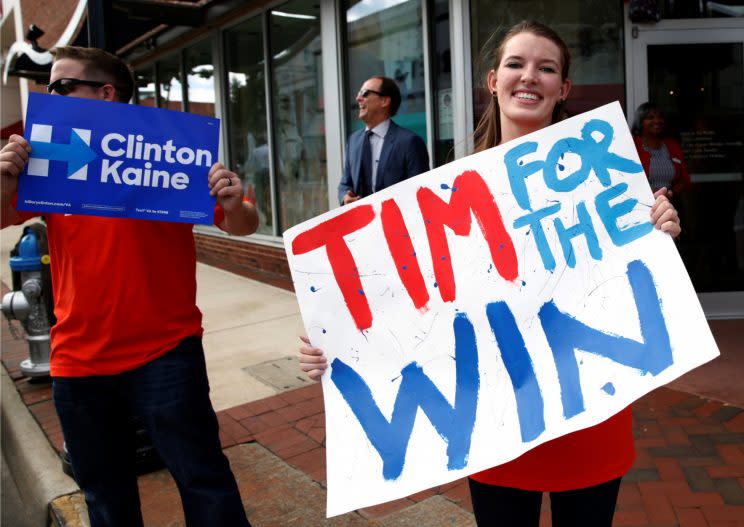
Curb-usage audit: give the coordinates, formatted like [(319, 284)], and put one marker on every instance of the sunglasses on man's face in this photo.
[(66, 86), (365, 93)]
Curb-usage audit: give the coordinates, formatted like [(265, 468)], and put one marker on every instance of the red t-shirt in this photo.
[(124, 292), (575, 461)]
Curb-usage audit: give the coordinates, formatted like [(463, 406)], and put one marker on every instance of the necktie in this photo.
[(365, 179)]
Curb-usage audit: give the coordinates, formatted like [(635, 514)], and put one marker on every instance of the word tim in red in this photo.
[(470, 197)]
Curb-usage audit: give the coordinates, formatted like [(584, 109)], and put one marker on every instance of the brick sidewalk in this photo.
[(689, 471)]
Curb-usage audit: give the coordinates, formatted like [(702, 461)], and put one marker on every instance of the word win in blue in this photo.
[(455, 422)]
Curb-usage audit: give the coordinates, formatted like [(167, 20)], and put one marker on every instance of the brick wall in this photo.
[(260, 262)]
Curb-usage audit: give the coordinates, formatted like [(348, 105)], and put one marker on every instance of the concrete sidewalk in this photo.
[(690, 467)]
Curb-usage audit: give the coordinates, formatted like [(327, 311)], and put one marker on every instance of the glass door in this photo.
[(695, 75)]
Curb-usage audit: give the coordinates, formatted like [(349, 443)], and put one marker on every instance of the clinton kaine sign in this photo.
[(493, 304), (111, 159)]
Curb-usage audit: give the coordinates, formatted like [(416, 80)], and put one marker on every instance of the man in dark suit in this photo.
[(383, 153)]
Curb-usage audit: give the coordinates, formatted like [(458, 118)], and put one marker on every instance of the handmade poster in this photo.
[(488, 306), (119, 160)]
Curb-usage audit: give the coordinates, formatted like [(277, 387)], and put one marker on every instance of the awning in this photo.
[(28, 60), (134, 19)]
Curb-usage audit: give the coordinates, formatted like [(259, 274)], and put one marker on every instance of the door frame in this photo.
[(681, 31)]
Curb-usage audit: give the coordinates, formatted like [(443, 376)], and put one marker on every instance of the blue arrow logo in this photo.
[(77, 154)]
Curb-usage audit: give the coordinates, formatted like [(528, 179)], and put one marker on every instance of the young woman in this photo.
[(581, 471)]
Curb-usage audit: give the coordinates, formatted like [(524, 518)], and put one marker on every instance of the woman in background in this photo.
[(661, 157)]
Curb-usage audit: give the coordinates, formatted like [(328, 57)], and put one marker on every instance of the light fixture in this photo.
[(28, 59), (33, 34), (294, 15)]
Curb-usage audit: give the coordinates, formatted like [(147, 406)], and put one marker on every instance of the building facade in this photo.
[(282, 76)]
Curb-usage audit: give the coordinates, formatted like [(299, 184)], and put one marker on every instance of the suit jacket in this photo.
[(403, 155)]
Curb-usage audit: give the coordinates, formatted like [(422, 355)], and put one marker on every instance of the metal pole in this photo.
[(99, 21)]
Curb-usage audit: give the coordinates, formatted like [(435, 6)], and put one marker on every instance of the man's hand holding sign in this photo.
[(240, 214), (13, 159), (551, 312)]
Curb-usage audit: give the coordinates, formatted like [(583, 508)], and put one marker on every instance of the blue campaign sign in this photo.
[(119, 160)]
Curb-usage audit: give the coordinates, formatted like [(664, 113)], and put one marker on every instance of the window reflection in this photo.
[(200, 78), (298, 112), (145, 86), (592, 30), (386, 38), (169, 75), (246, 115), (366, 8)]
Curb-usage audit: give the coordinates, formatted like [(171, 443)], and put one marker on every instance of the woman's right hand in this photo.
[(312, 360)]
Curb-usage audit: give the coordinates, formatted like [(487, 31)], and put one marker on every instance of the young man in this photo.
[(383, 153), (128, 335)]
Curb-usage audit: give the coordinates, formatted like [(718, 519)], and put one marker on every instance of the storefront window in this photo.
[(145, 84), (169, 76), (592, 30), (298, 123), (246, 115), (385, 37), (200, 78)]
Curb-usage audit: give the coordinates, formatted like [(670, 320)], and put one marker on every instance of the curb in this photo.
[(31, 462)]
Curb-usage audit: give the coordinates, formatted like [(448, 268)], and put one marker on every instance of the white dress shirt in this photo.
[(375, 142)]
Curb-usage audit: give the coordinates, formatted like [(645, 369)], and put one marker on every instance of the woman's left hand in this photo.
[(663, 214)]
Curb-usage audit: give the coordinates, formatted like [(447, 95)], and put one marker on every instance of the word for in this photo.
[(455, 422), (113, 145)]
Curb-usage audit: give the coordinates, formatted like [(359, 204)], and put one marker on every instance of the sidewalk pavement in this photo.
[(689, 435)]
